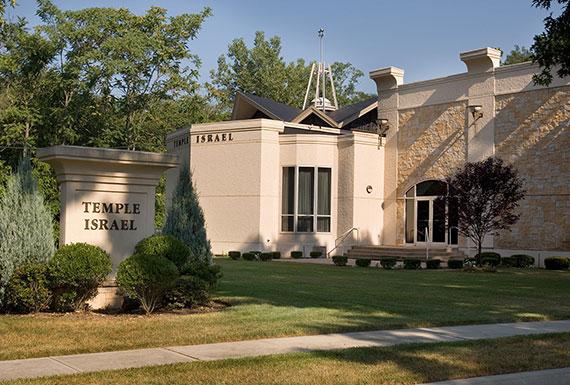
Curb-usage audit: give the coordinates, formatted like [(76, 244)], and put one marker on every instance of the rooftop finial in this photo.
[(321, 72)]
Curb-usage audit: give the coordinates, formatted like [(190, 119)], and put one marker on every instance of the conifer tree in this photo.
[(26, 228), (185, 218)]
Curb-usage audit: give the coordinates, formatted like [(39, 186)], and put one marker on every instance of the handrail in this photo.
[(343, 236), (427, 243)]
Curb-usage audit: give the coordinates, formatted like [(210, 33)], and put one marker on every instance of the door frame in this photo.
[(430, 200)]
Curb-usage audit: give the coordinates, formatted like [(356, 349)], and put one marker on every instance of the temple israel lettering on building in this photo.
[(114, 220)]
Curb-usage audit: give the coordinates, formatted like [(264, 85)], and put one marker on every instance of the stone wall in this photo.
[(532, 131), (431, 143)]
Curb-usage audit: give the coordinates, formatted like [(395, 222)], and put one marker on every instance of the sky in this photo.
[(423, 37)]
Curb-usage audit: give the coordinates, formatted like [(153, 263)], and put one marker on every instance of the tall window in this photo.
[(306, 199)]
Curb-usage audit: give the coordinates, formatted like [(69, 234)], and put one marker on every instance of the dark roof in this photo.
[(280, 110), (347, 111)]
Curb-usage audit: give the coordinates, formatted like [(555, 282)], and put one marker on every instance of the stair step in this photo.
[(375, 252)]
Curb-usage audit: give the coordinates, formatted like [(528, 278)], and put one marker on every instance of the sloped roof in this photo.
[(271, 108), (352, 110)]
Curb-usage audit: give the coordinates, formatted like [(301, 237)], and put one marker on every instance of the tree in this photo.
[(552, 47), (518, 55), (185, 218), (486, 195), (26, 230)]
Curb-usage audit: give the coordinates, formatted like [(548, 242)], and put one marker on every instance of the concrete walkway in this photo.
[(92, 362), (541, 377)]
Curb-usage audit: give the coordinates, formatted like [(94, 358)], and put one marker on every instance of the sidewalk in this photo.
[(92, 362), (540, 377)]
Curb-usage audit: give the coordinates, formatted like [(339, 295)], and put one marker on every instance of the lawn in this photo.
[(406, 364), (273, 299)]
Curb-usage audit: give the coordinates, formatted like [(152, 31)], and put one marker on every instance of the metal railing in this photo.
[(427, 243), (340, 240)]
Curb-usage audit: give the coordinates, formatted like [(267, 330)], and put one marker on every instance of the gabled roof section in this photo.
[(347, 114), (246, 106), (313, 111)]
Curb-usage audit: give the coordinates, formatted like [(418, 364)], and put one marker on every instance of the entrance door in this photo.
[(430, 220)]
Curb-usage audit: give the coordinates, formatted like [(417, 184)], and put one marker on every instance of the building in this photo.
[(278, 178)]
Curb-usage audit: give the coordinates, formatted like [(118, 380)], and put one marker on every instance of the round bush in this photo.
[(186, 292), (235, 255), (27, 290), (164, 246), (276, 255), (75, 273), (316, 254), (296, 254), (412, 264), (488, 258), (433, 263), (340, 260), (257, 254), (266, 256), (522, 260), (388, 263), (248, 256), (147, 278), (508, 262), (362, 262), (209, 273), (455, 264), (556, 263)]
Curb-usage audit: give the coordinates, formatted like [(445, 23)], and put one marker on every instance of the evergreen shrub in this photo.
[(296, 254), (165, 246), (388, 263), (276, 255), (412, 264), (266, 256), (488, 258), (235, 255), (187, 291), (340, 260), (316, 254), (522, 260), (433, 263), (362, 262), (209, 273), (556, 263), (249, 256), (455, 264), (28, 290)]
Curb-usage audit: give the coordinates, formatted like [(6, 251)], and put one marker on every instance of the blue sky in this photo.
[(424, 37)]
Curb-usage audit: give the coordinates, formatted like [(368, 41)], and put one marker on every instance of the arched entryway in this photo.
[(428, 219)]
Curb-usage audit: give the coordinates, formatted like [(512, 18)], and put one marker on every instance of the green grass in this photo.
[(284, 299), (406, 364)]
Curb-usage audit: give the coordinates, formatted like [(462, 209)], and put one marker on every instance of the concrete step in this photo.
[(375, 252)]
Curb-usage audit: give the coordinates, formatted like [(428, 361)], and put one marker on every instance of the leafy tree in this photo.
[(552, 47), (26, 230), (486, 195), (518, 55), (185, 218)]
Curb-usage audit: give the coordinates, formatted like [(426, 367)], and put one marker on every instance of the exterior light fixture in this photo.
[(369, 189), (383, 126), (476, 111)]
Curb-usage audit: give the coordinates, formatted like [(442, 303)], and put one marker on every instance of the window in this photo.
[(306, 199)]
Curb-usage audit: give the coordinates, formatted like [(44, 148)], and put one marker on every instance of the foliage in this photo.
[(486, 195), (185, 218), (340, 260), (488, 258), (296, 254), (388, 263), (268, 256), (522, 260), (187, 291), (76, 271), (210, 274), (433, 263), (557, 263), (235, 255), (455, 264), (518, 55), (28, 291), (147, 278), (165, 246), (249, 256), (26, 230), (551, 48), (261, 70), (316, 254), (362, 262), (276, 254), (412, 264)]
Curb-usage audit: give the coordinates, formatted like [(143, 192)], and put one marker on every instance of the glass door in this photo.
[(430, 220), (422, 219)]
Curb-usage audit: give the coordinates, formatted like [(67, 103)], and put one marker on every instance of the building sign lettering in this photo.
[(110, 208), (211, 138)]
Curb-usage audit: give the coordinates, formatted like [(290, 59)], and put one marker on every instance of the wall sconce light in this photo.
[(383, 126), (369, 189), (476, 111)]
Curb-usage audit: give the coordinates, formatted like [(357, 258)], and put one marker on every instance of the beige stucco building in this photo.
[(278, 178)]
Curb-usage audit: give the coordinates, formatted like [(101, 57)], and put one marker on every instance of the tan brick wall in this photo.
[(431, 143), (532, 131)]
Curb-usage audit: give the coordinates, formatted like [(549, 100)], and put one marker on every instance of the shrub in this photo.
[(27, 291), (147, 278), (340, 260), (362, 262), (508, 262), (556, 263), (266, 256), (209, 273), (276, 255), (76, 271), (186, 292), (296, 254), (164, 246), (235, 255), (433, 263), (488, 258), (316, 254), (248, 257), (257, 254), (412, 264), (455, 264), (388, 263), (522, 260)]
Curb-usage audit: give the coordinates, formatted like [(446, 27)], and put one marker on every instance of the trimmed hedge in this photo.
[(340, 260), (412, 264), (316, 254), (201, 269), (455, 264), (523, 260), (249, 256), (235, 255), (557, 263), (266, 256), (276, 254), (27, 290), (433, 263), (296, 254), (164, 246), (488, 258), (75, 273), (187, 291), (363, 262), (388, 263)]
